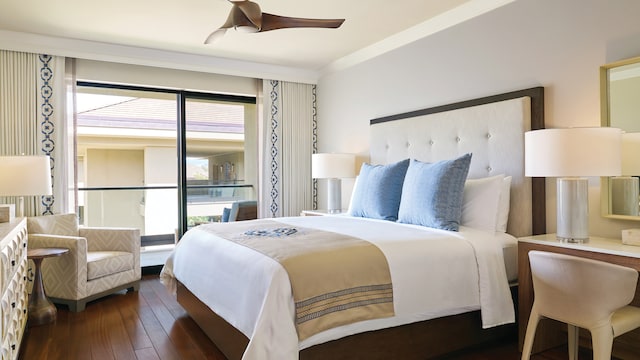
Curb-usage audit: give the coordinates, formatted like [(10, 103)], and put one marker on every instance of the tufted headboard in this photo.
[(491, 128)]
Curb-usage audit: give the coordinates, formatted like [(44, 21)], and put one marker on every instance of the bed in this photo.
[(434, 311)]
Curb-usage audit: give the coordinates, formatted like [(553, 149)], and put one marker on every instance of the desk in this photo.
[(551, 333), (41, 310)]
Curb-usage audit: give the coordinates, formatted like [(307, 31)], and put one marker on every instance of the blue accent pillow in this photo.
[(432, 193), (378, 191)]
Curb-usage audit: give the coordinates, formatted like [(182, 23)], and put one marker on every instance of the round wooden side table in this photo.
[(41, 309)]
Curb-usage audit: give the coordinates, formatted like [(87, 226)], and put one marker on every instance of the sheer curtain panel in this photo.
[(32, 119), (288, 131)]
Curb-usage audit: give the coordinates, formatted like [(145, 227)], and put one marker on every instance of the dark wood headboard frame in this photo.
[(536, 94)]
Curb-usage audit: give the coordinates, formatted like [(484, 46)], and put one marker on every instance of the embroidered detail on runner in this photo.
[(324, 304), (272, 232)]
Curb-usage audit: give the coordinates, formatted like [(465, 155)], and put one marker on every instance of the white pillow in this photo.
[(355, 184), (503, 205), (480, 203)]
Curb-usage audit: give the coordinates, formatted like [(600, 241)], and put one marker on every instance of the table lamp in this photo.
[(571, 155), (25, 176), (625, 189), (333, 167)]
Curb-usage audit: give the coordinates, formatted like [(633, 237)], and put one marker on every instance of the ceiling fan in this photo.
[(246, 16)]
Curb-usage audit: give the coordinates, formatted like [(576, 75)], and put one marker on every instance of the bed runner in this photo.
[(335, 279)]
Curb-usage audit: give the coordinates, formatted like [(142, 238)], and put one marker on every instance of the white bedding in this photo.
[(509, 246), (434, 272)]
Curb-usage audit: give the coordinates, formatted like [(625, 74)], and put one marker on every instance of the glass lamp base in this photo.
[(334, 201), (573, 209)]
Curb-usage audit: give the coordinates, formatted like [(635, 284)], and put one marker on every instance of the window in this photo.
[(132, 144)]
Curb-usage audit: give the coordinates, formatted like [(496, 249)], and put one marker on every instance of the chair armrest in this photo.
[(77, 245), (112, 239), (70, 267)]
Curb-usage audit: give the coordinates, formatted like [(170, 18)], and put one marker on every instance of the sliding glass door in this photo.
[(220, 161), (161, 160)]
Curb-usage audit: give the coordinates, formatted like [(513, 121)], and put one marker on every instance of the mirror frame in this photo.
[(605, 199)]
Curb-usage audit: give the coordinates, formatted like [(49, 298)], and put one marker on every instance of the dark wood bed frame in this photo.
[(421, 340)]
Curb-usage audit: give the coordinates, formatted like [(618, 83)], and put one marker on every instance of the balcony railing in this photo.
[(154, 209)]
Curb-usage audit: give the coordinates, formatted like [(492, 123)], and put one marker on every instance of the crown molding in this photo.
[(92, 50)]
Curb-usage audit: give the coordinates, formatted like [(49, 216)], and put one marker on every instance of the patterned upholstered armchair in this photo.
[(100, 261)]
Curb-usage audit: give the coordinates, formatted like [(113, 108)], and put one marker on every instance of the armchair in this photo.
[(241, 210), (100, 261)]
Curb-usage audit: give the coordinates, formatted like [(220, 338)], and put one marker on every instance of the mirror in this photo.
[(620, 107)]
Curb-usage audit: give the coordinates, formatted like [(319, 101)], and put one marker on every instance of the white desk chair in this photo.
[(583, 293)]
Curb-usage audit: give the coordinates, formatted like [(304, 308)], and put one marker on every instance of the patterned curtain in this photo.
[(288, 131), (33, 120)]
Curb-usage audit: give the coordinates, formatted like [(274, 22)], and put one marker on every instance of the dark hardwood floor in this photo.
[(150, 324)]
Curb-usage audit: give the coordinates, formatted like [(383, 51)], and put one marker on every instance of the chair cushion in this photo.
[(104, 263), (625, 320), (62, 224)]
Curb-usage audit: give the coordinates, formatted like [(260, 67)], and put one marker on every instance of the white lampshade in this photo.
[(573, 152), (333, 166), (25, 175), (631, 154)]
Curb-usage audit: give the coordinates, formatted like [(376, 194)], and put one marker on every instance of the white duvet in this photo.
[(434, 273)]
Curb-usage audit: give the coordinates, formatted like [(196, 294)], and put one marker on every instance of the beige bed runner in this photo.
[(335, 279)]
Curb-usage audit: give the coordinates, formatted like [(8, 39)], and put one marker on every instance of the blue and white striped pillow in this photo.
[(432, 193)]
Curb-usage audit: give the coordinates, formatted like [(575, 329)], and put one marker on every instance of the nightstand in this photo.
[(320, 213), (598, 248)]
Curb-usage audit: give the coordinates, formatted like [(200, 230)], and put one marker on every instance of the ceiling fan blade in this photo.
[(247, 16), (237, 18), (215, 36), (251, 11), (273, 22)]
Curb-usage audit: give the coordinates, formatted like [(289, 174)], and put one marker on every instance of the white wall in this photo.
[(558, 44)]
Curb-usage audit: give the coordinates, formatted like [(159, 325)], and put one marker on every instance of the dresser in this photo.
[(13, 285), (551, 333)]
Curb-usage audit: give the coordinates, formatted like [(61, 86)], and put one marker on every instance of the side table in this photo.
[(41, 310)]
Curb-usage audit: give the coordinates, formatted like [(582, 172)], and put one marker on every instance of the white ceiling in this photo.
[(181, 26)]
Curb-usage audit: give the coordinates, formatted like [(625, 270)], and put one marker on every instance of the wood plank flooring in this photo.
[(150, 324)]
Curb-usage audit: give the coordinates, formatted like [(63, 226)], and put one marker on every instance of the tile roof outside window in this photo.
[(160, 114)]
